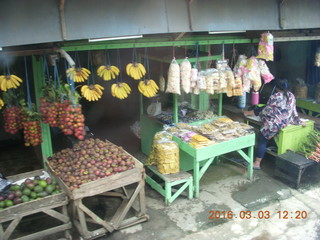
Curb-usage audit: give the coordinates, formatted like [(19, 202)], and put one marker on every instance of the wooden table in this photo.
[(200, 159)]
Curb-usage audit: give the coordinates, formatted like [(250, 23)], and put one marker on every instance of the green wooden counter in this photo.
[(200, 159), (309, 107)]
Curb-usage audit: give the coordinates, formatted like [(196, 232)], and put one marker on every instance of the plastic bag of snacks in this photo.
[(201, 81), (317, 58), (265, 48), (210, 80), (162, 83), (185, 75), (264, 71), (194, 81), (222, 66), (159, 136), (254, 73), (240, 71), (168, 161), (237, 90), (173, 84), (230, 82)]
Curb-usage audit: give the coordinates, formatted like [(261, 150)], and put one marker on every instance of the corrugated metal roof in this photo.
[(36, 21)]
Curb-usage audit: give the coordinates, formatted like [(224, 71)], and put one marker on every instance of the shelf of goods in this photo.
[(54, 206), (199, 159), (118, 185)]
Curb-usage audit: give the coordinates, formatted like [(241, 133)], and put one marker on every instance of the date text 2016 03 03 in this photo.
[(257, 215)]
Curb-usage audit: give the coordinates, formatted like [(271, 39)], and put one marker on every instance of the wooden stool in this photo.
[(290, 166), (170, 180)]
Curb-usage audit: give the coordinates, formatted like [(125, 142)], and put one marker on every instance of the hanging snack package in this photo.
[(162, 83), (159, 136), (254, 73), (185, 75), (209, 76), (265, 48), (264, 71), (222, 67), (194, 81), (240, 71), (230, 82), (201, 81), (237, 90), (168, 159), (317, 58), (173, 84)]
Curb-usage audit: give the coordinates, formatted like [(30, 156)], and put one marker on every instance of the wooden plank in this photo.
[(46, 232), (124, 208), (96, 218), (56, 215), (12, 226)]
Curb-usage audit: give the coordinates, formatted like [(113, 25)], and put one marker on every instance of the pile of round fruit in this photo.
[(29, 190), (89, 160)]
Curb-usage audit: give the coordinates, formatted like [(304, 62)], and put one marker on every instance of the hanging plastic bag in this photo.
[(201, 80), (209, 76), (317, 58), (185, 75), (230, 82), (265, 48), (173, 83), (264, 71), (162, 83), (254, 73)]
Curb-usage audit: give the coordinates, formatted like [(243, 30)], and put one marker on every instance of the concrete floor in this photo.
[(224, 187)]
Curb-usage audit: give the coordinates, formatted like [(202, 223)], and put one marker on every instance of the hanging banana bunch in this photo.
[(78, 74), (148, 88), (136, 70), (108, 72), (92, 92), (120, 90), (1, 103), (9, 81)]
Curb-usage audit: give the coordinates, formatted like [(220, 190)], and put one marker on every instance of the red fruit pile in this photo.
[(49, 112), (90, 160), (12, 119), (32, 133), (71, 120)]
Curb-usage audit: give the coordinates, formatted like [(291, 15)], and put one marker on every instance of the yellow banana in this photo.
[(142, 69), (128, 67), (113, 86), (115, 70), (100, 69)]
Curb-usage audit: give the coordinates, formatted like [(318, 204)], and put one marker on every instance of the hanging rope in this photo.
[(209, 62), (46, 70), (147, 61), (222, 51), (90, 66), (107, 58), (197, 56), (118, 65), (27, 84)]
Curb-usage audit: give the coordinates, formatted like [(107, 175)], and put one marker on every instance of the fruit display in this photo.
[(136, 70), (1, 103), (92, 92), (148, 88), (88, 161), (32, 133), (120, 90), (30, 189), (78, 74), (12, 119), (71, 119), (108, 72), (9, 81), (49, 112)]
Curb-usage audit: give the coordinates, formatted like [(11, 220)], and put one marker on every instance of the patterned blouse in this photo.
[(278, 113)]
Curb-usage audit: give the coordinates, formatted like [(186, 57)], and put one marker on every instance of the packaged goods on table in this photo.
[(168, 161), (173, 83), (185, 75)]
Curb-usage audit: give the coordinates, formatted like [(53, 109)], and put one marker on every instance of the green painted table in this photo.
[(203, 157)]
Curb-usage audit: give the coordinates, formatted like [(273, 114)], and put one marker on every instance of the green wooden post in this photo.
[(175, 108), (203, 101), (141, 104), (220, 104), (38, 74)]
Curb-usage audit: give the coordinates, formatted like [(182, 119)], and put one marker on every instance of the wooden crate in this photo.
[(52, 205), (82, 214)]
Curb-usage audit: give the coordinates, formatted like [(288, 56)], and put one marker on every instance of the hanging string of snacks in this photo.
[(185, 75)]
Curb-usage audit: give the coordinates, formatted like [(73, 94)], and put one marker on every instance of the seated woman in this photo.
[(279, 112)]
